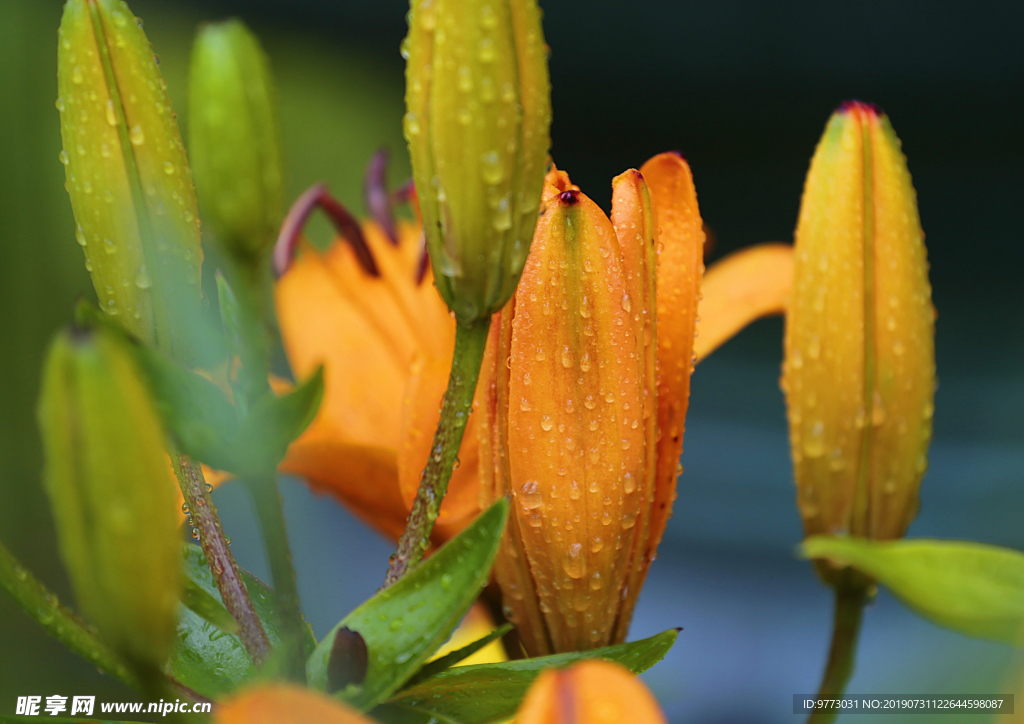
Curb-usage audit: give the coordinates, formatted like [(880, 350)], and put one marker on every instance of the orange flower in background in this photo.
[(284, 704), (367, 310), (594, 692)]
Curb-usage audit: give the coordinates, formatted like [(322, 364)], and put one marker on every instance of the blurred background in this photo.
[(743, 88)]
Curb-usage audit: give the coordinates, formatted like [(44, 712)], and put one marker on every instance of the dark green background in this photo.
[(743, 89)]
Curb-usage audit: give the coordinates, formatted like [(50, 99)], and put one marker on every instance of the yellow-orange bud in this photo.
[(595, 692), (572, 398), (478, 105), (859, 371)]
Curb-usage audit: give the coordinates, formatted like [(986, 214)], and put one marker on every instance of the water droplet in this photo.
[(63, 156), (76, 75), (546, 423), (566, 357), (109, 246), (60, 104), (628, 520), (503, 215), (80, 236), (142, 280), (532, 498), (590, 403), (403, 48), (487, 53), (136, 135), (626, 305), (628, 483), (609, 397), (465, 79), (814, 444), (184, 508), (596, 544), (169, 168), (572, 564), (111, 116), (493, 170), (525, 405), (585, 362)]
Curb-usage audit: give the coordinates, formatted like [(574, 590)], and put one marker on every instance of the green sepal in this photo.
[(435, 667), (272, 423), (485, 693), (407, 622), (208, 660), (972, 588)]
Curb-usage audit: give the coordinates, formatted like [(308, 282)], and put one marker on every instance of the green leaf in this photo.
[(972, 588), (197, 600), (492, 692), (195, 411), (407, 622), (273, 423), (451, 659), (207, 659)]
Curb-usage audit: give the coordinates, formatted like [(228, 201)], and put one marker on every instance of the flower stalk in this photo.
[(470, 342), (850, 599)]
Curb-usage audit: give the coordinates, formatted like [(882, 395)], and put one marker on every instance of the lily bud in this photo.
[(112, 494), (478, 105), (235, 137), (571, 398), (127, 174), (859, 370), (595, 692)]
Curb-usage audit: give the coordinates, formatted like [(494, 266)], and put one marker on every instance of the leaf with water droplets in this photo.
[(486, 693), (428, 602), (969, 587)]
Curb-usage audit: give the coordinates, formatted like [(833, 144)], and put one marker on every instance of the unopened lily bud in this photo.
[(571, 400), (478, 106), (595, 692), (234, 137), (859, 370), (127, 174), (112, 494)]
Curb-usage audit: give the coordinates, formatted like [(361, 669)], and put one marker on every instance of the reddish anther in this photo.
[(346, 225), (375, 193)]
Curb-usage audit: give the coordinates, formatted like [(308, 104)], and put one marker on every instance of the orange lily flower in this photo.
[(366, 309), (595, 692)]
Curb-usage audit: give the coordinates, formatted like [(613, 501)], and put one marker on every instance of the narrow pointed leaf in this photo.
[(492, 692), (408, 621), (207, 659), (972, 588), (449, 660)]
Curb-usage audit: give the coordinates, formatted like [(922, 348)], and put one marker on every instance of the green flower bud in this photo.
[(234, 137), (112, 493), (478, 106), (127, 174)]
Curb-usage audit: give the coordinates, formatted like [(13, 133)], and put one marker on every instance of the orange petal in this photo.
[(680, 266), (590, 692), (363, 477), (574, 395), (421, 411), (284, 704), (633, 219), (746, 285), (323, 322)]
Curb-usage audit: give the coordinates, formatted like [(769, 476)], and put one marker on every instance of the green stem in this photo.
[(470, 341), (58, 620), (226, 573), (850, 600), (267, 497)]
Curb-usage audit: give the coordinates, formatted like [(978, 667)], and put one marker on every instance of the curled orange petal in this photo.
[(746, 285), (284, 704), (590, 692)]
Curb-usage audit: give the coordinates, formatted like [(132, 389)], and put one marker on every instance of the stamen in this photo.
[(404, 194), (421, 270), (375, 192), (344, 223)]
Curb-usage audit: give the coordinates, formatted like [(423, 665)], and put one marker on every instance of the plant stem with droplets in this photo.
[(850, 600), (226, 573), (267, 497), (470, 341)]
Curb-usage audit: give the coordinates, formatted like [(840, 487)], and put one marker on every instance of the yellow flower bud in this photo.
[(234, 137), (127, 174), (112, 494), (478, 105), (859, 371)]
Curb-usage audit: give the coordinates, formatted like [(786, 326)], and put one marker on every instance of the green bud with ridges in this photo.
[(112, 494), (127, 173), (478, 103), (234, 138)]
